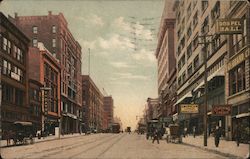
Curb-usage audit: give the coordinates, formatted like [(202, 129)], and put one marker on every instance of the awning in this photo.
[(189, 94), (219, 72), (242, 115)]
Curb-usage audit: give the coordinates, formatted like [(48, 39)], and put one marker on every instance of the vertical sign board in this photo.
[(229, 26), (221, 110), (45, 104)]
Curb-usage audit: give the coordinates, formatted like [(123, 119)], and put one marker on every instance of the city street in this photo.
[(105, 146)]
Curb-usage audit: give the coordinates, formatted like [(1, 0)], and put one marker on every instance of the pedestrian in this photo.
[(185, 132), (238, 135), (156, 136), (217, 135), (194, 131)]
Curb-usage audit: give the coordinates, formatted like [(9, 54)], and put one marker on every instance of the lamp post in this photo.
[(0, 104)]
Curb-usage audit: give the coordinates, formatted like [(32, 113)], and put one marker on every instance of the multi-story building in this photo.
[(35, 103), (108, 107), (92, 104), (195, 19), (152, 108), (13, 79), (165, 54), (237, 75), (53, 32), (45, 69)]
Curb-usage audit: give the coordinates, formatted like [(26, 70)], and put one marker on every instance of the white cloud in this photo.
[(92, 19), (131, 76), (115, 42), (87, 44), (144, 55), (120, 65), (96, 20), (140, 31)]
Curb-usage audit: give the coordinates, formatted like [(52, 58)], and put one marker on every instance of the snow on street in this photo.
[(106, 146)]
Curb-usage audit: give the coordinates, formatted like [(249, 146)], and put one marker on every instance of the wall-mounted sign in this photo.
[(229, 26), (238, 59), (15, 76), (189, 108), (221, 110)]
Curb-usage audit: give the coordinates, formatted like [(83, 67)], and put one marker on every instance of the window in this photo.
[(204, 5), (8, 93), (190, 70), (196, 62), (5, 43), (205, 26), (237, 79), (189, 51), (215, 12), (216, 43), (34, 43), (195, 42), (189, 31), (183, 76), (195, 19), (189, 10), (35, 29), (19, 97), (53, 42), (53, 29)]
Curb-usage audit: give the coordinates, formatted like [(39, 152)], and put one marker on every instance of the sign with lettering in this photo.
[(189, 108), (229, 26), (46, 102), (238, 59), (221, 110)]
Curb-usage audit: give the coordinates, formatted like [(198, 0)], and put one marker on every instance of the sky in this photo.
[(121, 36)]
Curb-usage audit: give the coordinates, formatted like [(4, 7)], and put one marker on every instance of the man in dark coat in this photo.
[(156, 135), (217, 135)]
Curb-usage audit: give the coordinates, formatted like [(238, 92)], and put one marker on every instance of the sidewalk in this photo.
[(226, 148), (3, 143)]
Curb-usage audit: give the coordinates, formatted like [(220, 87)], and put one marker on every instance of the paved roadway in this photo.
[(105, 146)]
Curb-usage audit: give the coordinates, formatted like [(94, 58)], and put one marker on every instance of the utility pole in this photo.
[(205, 43)]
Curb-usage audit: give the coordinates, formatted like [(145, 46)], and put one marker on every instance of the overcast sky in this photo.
[(121, 36)]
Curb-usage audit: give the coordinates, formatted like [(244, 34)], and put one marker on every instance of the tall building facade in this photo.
[(194, 19), (108, 107), (165, 54), (238, 72), (53, 32), (13, 79), (93, 104), (45, 69)]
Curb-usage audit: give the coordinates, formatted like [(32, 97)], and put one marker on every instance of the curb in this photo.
[(214, 151)]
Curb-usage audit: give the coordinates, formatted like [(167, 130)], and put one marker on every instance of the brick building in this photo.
[(13, 78), (108, 107), (35, 103), (45, 68), (53, 32), (92, 104)]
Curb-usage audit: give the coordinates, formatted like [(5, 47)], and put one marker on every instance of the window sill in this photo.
[(238, 94)]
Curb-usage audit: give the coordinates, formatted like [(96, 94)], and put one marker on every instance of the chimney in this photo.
[(50, 13)]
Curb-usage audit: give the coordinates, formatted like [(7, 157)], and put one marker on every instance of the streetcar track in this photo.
[(71, 147), (90, 148), (110, 146), (54, 148)]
